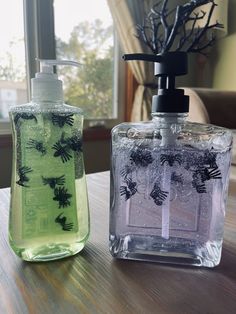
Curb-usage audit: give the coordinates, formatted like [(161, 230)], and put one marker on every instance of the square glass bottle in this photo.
[(169, 180)]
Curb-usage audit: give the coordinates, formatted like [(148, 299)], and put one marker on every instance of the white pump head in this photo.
[(46, 86)]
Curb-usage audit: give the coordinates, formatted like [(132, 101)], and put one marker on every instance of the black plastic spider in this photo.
[(62, 221), (62, 196), (128, 190), (171, 159), (209, 159), (200, 187), (24, 116), (141, 157), (33, 144), (158, 195), (177, 178), (23, 179), (206, 174), (61, 151), (52, 182), (73, 142), (62, 119)]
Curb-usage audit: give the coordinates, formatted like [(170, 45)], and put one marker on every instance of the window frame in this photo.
[(39, 34)]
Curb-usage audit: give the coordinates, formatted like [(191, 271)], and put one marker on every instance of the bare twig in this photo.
[(160, 35)]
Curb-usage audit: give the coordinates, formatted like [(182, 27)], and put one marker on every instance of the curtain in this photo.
[(126, 15)]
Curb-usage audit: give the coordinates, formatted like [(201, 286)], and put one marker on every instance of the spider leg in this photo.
[(124, 191), (64, 203), (68, 227), (163, 158), (60, 180), (65, 156), (215, 173), (70, 120), (19, 182), (178, 159), (162, 195), (201, 188)]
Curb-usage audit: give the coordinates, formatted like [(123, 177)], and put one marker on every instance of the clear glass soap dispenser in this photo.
[(49, 216), (169, 179)]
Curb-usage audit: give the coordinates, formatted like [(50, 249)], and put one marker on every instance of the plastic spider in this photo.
[(33, 144), (209, 159), (62, 196), (73, 142), (158, 195), (23, 179), (62, 221), (128, 190), (206, 174), (24, 116), (177, 178), (171, 159), (141, 157), (62, 119), (52, 182), (61, 151)]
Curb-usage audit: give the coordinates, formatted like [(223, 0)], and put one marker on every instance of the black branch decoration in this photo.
[(165, 29)]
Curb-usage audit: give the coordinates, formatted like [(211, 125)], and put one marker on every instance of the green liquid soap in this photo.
[(49, 216)]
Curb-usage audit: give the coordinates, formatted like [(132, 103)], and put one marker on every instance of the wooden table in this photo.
[(94, 282)]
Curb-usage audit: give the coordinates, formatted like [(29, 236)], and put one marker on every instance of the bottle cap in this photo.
[(46, 86)]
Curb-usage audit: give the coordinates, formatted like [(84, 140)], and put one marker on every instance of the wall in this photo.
[(224, 58)]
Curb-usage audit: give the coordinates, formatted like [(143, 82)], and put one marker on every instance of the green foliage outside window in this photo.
[(89, 87)]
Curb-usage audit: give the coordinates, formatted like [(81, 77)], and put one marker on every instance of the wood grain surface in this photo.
[(94, 282)]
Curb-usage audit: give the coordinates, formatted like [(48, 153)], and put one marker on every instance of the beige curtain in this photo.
[(126, 14)]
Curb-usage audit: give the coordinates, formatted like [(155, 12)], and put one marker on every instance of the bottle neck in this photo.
[(164, 118), (169, 124), (47, 103)]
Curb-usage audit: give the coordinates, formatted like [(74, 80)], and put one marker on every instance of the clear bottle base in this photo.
[(171, 251), (48, 252)]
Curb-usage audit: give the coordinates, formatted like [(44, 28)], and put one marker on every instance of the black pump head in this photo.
[(167, 67)]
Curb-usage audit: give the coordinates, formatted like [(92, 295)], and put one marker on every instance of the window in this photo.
[(87, 36), (58, 29), (13, 87)]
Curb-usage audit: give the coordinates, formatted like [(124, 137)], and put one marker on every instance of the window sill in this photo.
[(89, 135)]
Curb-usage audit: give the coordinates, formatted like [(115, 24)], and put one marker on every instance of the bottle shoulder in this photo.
[(46, 107), (191, 127), (188, 133)]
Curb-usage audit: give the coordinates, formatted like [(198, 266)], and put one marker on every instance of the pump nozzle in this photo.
[(46, 66), (167, 66), (46, 86)]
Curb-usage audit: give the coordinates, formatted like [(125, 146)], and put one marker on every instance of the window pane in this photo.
[(13, 88), (84, 33)]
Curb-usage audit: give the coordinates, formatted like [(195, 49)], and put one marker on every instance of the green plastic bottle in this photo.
[(49, 215)]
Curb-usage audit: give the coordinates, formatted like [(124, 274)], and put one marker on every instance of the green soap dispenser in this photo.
[(49, 215)]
